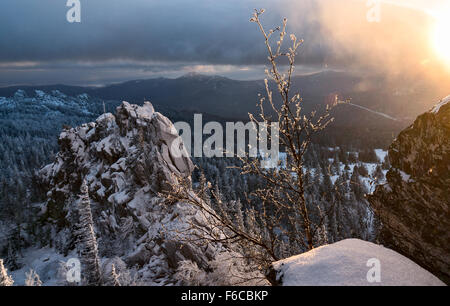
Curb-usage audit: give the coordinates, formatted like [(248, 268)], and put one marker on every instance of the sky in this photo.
[(119, 40)]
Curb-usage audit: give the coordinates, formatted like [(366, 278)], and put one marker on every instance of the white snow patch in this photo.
[(334, 178), (381, 154), (372, 111), (405, 177), (45, 261), (146, 111), (345, 263), (441, 103), (39, 93), (105, 117)]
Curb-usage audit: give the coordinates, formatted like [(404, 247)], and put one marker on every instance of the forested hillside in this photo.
[(30, 124)]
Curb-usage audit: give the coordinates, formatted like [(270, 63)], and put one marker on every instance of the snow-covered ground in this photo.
[(45, 262), (353, 262), (367, 182)]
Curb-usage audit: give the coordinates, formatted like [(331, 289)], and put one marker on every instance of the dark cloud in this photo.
[(149, 37), (119, 40), (213, 32)]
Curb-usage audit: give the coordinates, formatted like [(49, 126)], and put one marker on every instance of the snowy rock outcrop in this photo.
[(414, 203), (352, 262), (127, 160)]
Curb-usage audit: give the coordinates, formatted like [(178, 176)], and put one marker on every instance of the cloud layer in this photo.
[(119, 40)]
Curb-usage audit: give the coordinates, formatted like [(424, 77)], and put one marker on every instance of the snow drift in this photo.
[(347, 263)]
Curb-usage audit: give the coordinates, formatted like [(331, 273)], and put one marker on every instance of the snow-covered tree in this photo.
[(5, 279), (115, 277), (32, 279), (189, 274), (88, 248), (226, 269), (61, 274), (116, 273), (356, 184), (378, 174)]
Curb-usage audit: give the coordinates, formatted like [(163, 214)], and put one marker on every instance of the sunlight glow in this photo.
[(441, 35)]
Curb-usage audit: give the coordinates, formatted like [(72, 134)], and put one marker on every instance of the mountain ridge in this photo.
[(197, 91)]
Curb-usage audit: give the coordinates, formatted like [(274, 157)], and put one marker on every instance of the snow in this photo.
[(334, 178), (107, 117), (146, 111), (83, 96), (441, 103), (405, 177), (50, 104), (381, 154), (372, 111), (39, 93), (20, 94), (369, 181), (348, 263), (46, 263), (269, 163)]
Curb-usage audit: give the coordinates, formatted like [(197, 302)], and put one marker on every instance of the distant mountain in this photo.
[(225, 97), (369, 117)]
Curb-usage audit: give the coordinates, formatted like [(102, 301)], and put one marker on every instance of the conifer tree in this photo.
[(5, 279), (379, 175), (356, 184), (32, 279), (114, 276), (88, 247)]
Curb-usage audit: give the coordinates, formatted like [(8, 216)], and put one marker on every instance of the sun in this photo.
[(441, 36)]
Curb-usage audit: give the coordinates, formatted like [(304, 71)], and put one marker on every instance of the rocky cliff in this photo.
[(414, 203), (127, 160)]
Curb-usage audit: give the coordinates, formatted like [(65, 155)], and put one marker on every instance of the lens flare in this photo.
[(441, 36)]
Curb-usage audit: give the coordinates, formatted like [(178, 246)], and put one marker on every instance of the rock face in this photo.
[(127, 160), (414, 203)]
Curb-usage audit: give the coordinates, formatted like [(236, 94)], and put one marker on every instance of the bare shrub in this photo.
[(282, 223)]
